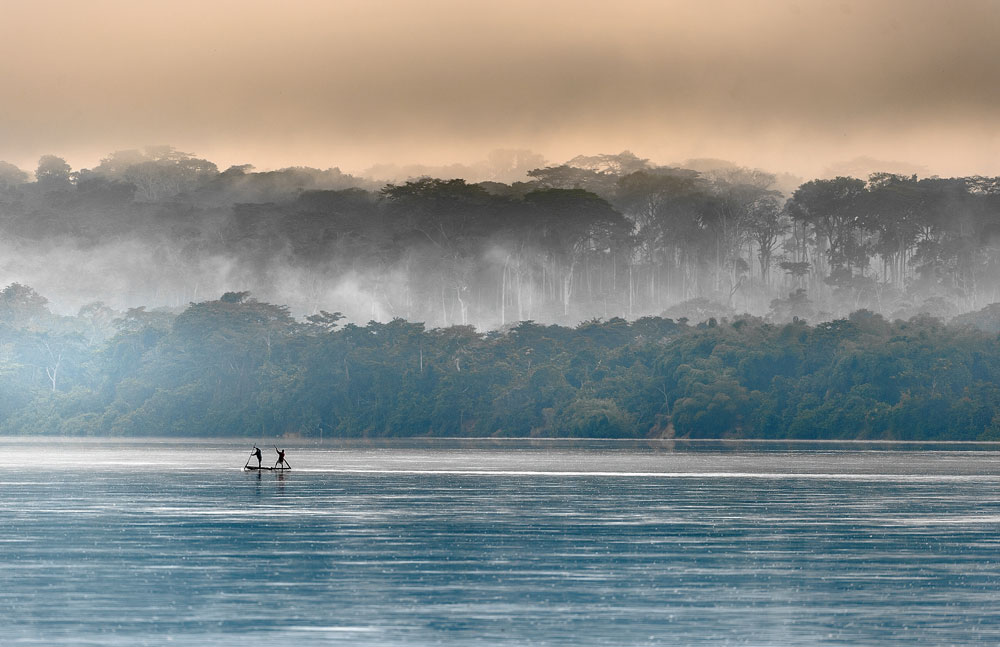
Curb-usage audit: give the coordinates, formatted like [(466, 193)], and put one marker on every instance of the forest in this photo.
[(237, 366), (604, 297), (599, 236)]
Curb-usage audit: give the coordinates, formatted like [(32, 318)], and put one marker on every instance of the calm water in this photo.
[(146, 543)]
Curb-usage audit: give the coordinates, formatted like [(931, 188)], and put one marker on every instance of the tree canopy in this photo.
[(237, 366)]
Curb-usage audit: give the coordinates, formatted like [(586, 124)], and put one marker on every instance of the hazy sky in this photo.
[(786, 85)]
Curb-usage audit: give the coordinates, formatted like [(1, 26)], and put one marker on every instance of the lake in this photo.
[(110, 542)]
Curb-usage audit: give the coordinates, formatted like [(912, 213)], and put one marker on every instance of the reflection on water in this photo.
[(148, 543)]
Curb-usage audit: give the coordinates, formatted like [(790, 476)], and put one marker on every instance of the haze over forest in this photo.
[(627, 172), (611, 235), (728, 107)]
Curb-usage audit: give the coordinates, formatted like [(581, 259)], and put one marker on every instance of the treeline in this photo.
[(240, 367), (602, 236)]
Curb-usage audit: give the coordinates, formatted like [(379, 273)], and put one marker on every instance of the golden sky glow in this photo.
[(785, 85)]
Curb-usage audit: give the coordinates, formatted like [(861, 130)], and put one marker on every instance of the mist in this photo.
[(594, 237), (604, 295), (778, 84)]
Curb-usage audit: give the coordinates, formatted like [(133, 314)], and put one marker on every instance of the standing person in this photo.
[(281, 458), (256, 453)]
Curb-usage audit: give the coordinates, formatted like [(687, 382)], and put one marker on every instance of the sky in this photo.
[(785, 85)]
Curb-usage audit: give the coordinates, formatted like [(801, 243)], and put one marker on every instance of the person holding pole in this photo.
[(281, 458), (254, 454)]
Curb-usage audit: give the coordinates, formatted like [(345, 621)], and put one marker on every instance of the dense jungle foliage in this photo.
[(241, 367)]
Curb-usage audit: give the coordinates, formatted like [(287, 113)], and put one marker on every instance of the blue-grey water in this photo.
[(499, 543)]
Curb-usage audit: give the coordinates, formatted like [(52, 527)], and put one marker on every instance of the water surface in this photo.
[(490, 543)]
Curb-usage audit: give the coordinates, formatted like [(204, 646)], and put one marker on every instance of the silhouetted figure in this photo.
[(281, 458), (256, 454)]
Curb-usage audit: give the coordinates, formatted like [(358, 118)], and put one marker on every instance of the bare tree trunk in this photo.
[(567, 287), (503, 292), (630, 304), (462, 309)]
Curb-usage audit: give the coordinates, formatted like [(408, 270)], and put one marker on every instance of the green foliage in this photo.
[(594, 418), (237, 366)]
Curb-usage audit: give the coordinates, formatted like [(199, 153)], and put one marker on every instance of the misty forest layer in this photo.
[(655, 262), (602, 236), (241, 367)]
